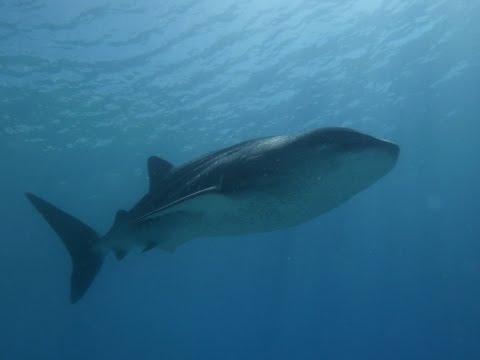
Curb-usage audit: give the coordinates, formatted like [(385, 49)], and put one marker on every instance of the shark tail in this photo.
[(80, 241)]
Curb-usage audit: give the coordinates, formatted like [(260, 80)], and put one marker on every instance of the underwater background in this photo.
[(90, 89)]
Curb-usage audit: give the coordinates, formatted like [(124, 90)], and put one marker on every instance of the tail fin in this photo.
[(79, 239)]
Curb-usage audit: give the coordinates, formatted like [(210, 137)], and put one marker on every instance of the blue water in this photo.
[(90, 89)]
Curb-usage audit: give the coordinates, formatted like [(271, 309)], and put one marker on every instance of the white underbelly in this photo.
[(230, 216), (257, 212)]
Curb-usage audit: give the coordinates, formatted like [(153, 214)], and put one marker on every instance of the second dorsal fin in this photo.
[(158, 168)]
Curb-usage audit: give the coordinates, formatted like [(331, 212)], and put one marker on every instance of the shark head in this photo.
[(354, 150), (342, 162)]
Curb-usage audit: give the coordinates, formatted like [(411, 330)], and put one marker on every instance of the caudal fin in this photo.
[(79, 239)]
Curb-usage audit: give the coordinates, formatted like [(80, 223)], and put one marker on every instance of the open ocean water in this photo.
[(89, 89)]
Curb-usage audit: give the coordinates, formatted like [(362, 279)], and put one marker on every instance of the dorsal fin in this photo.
[(157, 170), (120, 217)]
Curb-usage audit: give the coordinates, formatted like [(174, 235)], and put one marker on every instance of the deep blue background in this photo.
[(88, 91)]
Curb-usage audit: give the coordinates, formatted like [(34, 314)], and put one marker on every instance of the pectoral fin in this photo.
[(149, 247), (197, 201)]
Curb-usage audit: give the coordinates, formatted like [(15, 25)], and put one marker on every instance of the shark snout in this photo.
[(391, 153), (392, 148)]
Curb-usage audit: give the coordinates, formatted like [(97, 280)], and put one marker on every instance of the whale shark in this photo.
[(258, 185)]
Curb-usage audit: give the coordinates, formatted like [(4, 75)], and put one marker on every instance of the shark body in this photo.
[(259, 185)]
